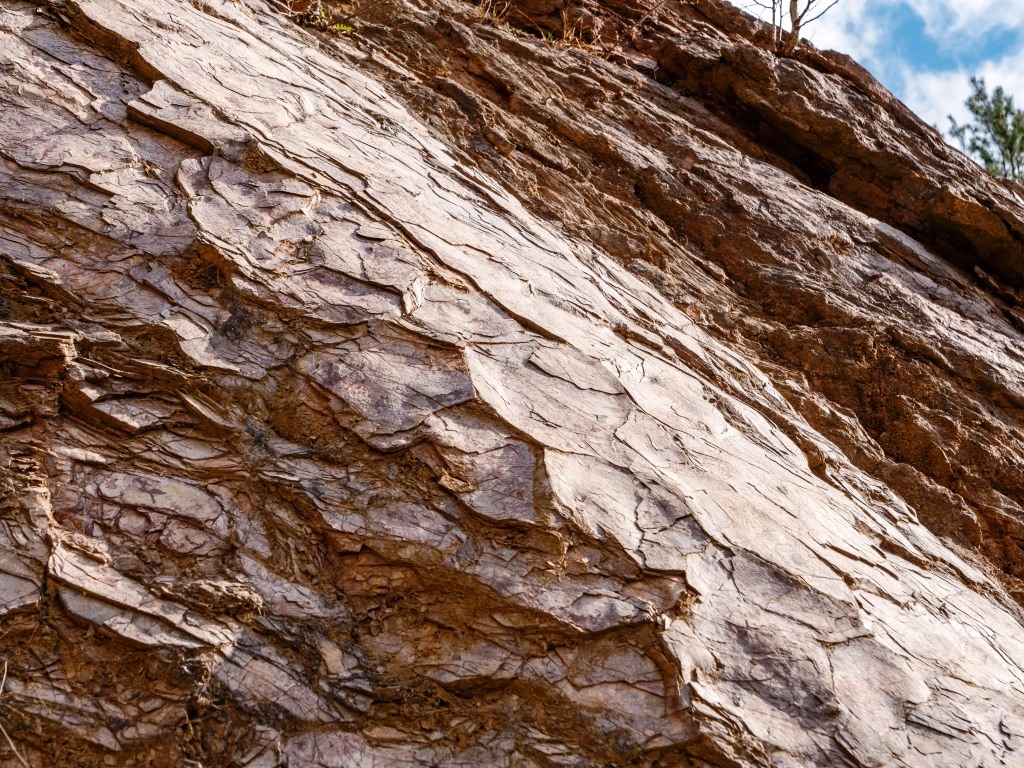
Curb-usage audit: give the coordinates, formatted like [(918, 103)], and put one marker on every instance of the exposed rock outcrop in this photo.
[(442, 394)]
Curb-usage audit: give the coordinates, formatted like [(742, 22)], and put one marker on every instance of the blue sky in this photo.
[(924, 51)]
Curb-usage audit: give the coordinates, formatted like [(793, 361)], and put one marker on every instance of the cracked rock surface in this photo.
[(440, 394)]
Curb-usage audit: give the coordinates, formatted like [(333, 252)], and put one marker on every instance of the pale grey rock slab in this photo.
[(167, 495), (369, 375), (564, 363), (140, 628), (261, 678), (104, 596), (135, 415), (171, 111), (499, 484)]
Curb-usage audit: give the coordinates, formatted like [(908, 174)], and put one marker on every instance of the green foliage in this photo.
[(995, 134), (313, 13)]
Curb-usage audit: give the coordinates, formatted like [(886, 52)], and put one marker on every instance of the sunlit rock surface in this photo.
[(443, 394)]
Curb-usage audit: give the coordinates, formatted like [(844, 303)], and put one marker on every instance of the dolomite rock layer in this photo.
[(440, 395)]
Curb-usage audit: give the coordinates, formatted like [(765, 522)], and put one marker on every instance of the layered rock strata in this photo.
[(443, 395)]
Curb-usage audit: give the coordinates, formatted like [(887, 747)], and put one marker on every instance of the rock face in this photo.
[(441, 394)]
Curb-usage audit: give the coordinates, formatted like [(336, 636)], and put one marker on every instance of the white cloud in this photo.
[(956, 23), (934, 95), (852, 27)]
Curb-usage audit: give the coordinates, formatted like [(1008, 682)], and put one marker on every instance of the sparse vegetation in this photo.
[(800, 13), (995, 134), (622, 36), (318, 15), (495, 13), (569, 33), (572, 31), (7, 738)]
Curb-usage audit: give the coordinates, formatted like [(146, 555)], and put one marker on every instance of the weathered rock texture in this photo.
[(444, 395)]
